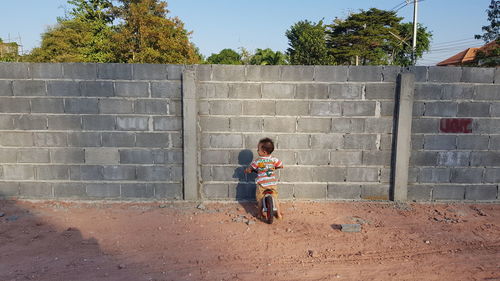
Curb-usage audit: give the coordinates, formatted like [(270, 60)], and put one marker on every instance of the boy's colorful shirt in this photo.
[(265, 167)]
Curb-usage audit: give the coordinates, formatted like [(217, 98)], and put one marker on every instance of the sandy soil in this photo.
[(224, 241)]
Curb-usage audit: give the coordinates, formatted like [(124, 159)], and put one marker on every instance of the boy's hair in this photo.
[(267, 145)]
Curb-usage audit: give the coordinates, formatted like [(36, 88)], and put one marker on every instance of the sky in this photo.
[(252, 24)]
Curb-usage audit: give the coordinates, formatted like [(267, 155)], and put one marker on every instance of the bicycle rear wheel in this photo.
[(268, 200)]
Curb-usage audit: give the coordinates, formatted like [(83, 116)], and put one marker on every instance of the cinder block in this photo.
[(103, 190), (348, 125), (494, 142), (420, 72), (18, 172), (345, 158), (114, 71), (445, 74), (214, 124), (152, 140), (448, 192), (5, 88), (174, 108), (228, 72), (167, 123), (151, 106), (375, 192), (131, 89), (478, 75), (47, 105), (351, 227), (282, 124), (226, 141), (425, 125), (81, 106), (317, 125), (424, 91), (245, 124), (245, 90), (454, 158), (313, 157), (116, 106), (478, 192), (251, 140), (84, 139), (216, 191), (467, 175), (30, 122), (287, 157), (418, 109), (377, 158), (206, 173), (177, 141), (386, 176), (16, 70), (46, 70), (485, 158), (297, 73), (488, 126), (365, 73), (441, 109), (102, 156), (8, 155), (96, 88), (278, 91), (323, 108), (344, 191), (63, 88), (440, 142), (130, 123), (29, 88), (288, 141), (358, 108), (472, 142), (149, 71), (18, 105), (345, 91), (174, 71), (86, 172), (8, 189), (84, 71), (170, 89), (214, 157), (326, 141), (225, 107), (137, 191), (16, 139), (33, 155), (52, 172), (228, 173), (455, 92), (495, 110), (242, 191), (310, 191), (473, 109), (168, 190), (419, 192), (261, 107), (135, 156), (379, 125), (329, 174), (67, 155), (35, 190), (362, 174), (364, 142), (311, 91), (378, 91), (168, 156), (263, 72), (492, 175), (386, 142), (153, 173), (434, 175), (297, 174), (204, 72), (69, 190), (98, 122), (324, 73), (119, 173), (390, 73), (423, 158)]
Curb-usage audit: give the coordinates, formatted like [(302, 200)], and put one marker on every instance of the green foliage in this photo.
[(268, 57), (226, 56), (402, 52), (491, 31), (307, 43), (9, 52)]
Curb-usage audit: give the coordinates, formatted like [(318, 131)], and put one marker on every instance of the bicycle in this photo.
[(269, 206)]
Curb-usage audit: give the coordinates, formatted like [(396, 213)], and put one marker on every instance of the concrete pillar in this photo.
[(403, 135), (190, 136)]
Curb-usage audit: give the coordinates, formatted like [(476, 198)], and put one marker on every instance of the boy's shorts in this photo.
[(259, 191)]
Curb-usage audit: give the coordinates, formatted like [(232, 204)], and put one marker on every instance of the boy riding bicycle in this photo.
[(265, 166)]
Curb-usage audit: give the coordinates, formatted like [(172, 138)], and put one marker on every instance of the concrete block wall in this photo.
[(332, 128), (459, 165), (90, 131)]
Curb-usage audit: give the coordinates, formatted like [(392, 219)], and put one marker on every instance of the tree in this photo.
[(402, 52), (9, 52), (226, 56), (148, 36), (491, 31), (307, 41), (268, 57)]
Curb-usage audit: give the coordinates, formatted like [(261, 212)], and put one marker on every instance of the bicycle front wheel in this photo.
[(270, 209)]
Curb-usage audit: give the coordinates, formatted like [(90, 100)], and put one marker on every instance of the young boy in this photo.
[(265, 166)]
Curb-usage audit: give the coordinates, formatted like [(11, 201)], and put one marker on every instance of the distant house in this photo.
[(468, 56)]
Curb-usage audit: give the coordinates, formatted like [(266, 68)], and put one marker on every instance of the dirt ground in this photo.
[(46, 240)]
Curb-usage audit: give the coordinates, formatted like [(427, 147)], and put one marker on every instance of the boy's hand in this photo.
[(248, 170)]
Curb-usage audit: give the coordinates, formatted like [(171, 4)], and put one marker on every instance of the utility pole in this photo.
[(414, 45)]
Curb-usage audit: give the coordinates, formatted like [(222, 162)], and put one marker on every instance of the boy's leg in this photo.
[(259, 194), (279, 215)]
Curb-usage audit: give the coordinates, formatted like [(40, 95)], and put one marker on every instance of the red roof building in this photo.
[(467, 56)]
